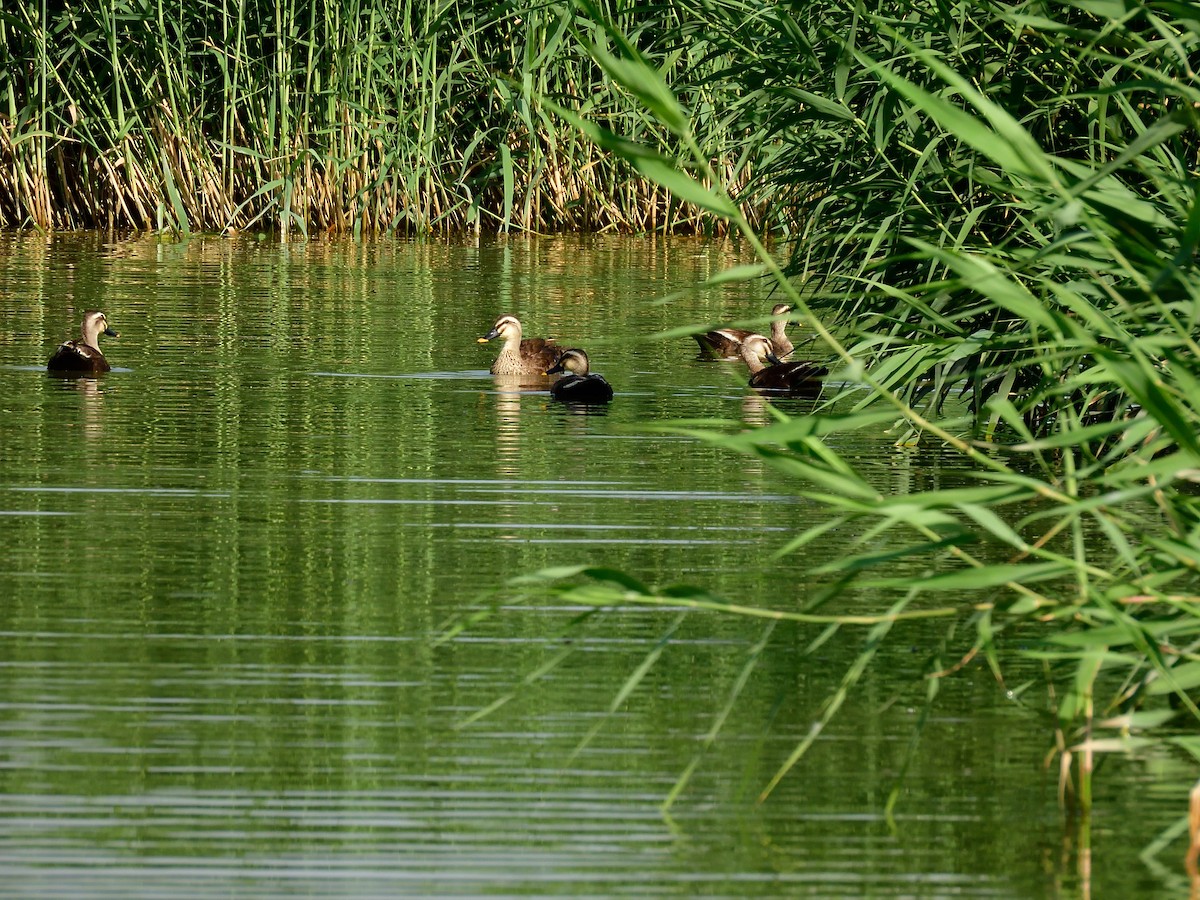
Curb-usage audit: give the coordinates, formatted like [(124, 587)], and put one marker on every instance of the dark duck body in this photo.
[(726, 343), (803, 376), (528, 356), (83, 357), (579, 386)]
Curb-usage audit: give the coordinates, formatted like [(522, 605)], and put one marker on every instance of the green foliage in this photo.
[(998, 192), (370, 116), (996, 202), (980, 200)]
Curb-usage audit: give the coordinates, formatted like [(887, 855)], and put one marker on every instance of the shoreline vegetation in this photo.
[(991, 203), (309, 117), (979, 200)]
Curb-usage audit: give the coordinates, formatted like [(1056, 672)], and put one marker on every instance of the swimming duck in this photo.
[(726, 343), (84, 355), (531, 356), (579, 386), (801, 376)]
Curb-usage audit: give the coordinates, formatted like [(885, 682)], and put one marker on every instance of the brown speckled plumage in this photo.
[(726, 343)]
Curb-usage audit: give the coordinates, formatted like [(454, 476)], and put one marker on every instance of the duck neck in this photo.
[(778, 335), (512, 344), (755, 364), (91, 334)]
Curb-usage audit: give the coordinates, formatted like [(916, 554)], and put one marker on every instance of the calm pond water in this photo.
[(224, 565)]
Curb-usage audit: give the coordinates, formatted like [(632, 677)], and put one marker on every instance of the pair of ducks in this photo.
[(756, 350), (538, 356)]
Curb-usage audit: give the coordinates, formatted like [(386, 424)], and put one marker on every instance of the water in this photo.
[(226, 563)]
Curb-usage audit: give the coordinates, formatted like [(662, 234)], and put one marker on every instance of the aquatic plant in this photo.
[(313, 117), (990, 201), (983, 200)]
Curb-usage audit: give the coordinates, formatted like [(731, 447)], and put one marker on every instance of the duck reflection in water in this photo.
[(763, 408), (91, 406), (508, 429), (755, 411)]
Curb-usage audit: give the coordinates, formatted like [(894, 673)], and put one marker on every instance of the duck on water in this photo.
[(528, 356), (726, 343), (803, 376), (83, 356), (579, 386)]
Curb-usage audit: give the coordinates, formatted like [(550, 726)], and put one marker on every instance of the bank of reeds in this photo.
[(990, 200), (310, 116), (994, 202)]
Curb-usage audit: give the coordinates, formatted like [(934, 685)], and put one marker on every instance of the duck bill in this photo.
[(112, 332), (487, 337), (775, 360), (555, 369)]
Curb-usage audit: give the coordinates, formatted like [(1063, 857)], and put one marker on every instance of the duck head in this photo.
[(95, 323), (506, 326), (757, 352), (574, 361)]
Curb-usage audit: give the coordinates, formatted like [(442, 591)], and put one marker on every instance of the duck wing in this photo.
[(541, 351), (722, 343), (802, 374), (805, 370), (76, 356), (582, 389)]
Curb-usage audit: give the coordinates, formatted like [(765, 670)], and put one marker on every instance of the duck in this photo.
[(84, 356), (531, 356), (726, 343), (803, 376), (579, 386)]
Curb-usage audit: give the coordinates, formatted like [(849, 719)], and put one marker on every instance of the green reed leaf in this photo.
[(683, 186), (647, 84), (984, 577)]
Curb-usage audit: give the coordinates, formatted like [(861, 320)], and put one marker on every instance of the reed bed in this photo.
[(982, 200), (995, 220), (293, 116)]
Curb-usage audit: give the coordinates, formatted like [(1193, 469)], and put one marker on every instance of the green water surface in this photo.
[(224, 565)]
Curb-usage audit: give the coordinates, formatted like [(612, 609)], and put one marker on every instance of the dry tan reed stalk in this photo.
[(124, 187)]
